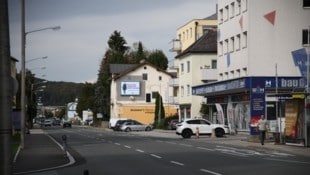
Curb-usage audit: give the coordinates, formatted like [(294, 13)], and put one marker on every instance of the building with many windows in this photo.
[(195, 63), (261, 66)]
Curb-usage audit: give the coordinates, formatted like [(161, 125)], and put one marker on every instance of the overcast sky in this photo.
[(76, 50)]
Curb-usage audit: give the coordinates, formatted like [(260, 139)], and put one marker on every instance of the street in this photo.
[(107, 152)]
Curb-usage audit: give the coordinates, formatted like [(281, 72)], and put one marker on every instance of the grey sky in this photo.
[(75, 52)]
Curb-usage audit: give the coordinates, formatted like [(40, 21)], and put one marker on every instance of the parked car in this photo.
[(188, 128), (172, 124), (119, 123), (48, 122), (66, 124), (113, 121), (57, 122), (134, 125)]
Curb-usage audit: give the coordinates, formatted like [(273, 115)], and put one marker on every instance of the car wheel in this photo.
[(127, 130), (148, 128), (186, 134), (219, 132)]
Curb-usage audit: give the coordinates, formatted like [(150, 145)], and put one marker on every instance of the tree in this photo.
[(86, 99), (159, 112), (159, 59), (117, 48)]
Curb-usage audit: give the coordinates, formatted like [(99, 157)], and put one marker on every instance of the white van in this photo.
[(113, 121)]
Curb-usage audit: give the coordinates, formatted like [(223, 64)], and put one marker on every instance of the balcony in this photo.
[(174, 82), (173, 100), (208, 75), (176, 45)]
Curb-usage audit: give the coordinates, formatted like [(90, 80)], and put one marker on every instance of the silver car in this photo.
[(133, 125)]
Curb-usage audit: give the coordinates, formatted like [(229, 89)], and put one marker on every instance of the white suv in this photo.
[(188, 128)]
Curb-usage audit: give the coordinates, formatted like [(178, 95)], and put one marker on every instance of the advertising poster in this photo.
[(257, 103), (220, 114), (293, 122)]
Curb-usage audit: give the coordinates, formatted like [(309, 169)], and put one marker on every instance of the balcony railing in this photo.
[(208, 75), (174, 82)]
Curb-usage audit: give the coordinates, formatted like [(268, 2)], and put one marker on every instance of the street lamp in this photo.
[(23, 68)]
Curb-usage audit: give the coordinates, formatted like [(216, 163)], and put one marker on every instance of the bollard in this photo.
[(64, 144), (197, 132)]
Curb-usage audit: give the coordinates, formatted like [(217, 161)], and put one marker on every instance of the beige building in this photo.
[(134, 89), (196, 63)]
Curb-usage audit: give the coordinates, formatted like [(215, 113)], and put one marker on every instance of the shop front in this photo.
[(243, 101)]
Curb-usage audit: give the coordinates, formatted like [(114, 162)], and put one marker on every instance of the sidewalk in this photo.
[(41, 153)]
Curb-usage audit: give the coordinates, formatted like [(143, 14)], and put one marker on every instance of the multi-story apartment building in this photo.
[(134, 90), (195, 62), (261, 58)]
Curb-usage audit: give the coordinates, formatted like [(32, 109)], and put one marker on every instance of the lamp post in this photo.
[(23, 68)]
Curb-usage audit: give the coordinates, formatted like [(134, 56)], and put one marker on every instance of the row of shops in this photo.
[(240, 103)]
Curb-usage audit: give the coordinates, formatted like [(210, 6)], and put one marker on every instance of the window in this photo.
[(220, 48), (188, 90), (188, 66), (232, 10), (213, 64), (232, 44), (244, 5), (221, 16), (154, 95), (238, 8), (244, 39), (306, 3), (182, 67), (238, 42), (159, 78), (305, 37), (226, 13), (182, 91), (144, 76), (226, 46), (145, 67), (148, 97), (191, 32)]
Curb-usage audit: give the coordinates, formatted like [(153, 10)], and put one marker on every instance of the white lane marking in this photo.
[(177, 163), (187, 145), (126, 146), (289, 161), (210, 172), (204, 148), (117, 144), (156, 156), (139, 150)]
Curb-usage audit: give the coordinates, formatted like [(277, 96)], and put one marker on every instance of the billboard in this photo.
[(130, 88)]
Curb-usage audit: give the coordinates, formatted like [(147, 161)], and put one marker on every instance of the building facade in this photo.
[(261, 66), (133, 93)]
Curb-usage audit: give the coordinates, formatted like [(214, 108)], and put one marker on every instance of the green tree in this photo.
[(159, 59), (117, 48), (159, 112), (86, 99)]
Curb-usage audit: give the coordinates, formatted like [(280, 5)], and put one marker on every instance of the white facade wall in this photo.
[(152, 84), (262, 44), (192, 76)]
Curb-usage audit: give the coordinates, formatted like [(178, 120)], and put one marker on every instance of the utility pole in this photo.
[(6, 92)]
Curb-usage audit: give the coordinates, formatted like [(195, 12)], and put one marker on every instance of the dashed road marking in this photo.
[(210, 172), (187, 145), (126, 146), (204, 148), (118, 144), (177, 163), (139, 150), (156, 156)]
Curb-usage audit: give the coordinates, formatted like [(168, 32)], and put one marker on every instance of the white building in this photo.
[(261, 56), (134, 89)]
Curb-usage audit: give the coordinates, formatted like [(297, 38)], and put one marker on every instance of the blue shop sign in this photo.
[(270, 82)]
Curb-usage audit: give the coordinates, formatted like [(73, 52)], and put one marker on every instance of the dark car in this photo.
[(119, 123), (172, 124), (66, 124)]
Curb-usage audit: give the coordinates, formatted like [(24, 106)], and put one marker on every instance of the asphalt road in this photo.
[(112, 153)]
